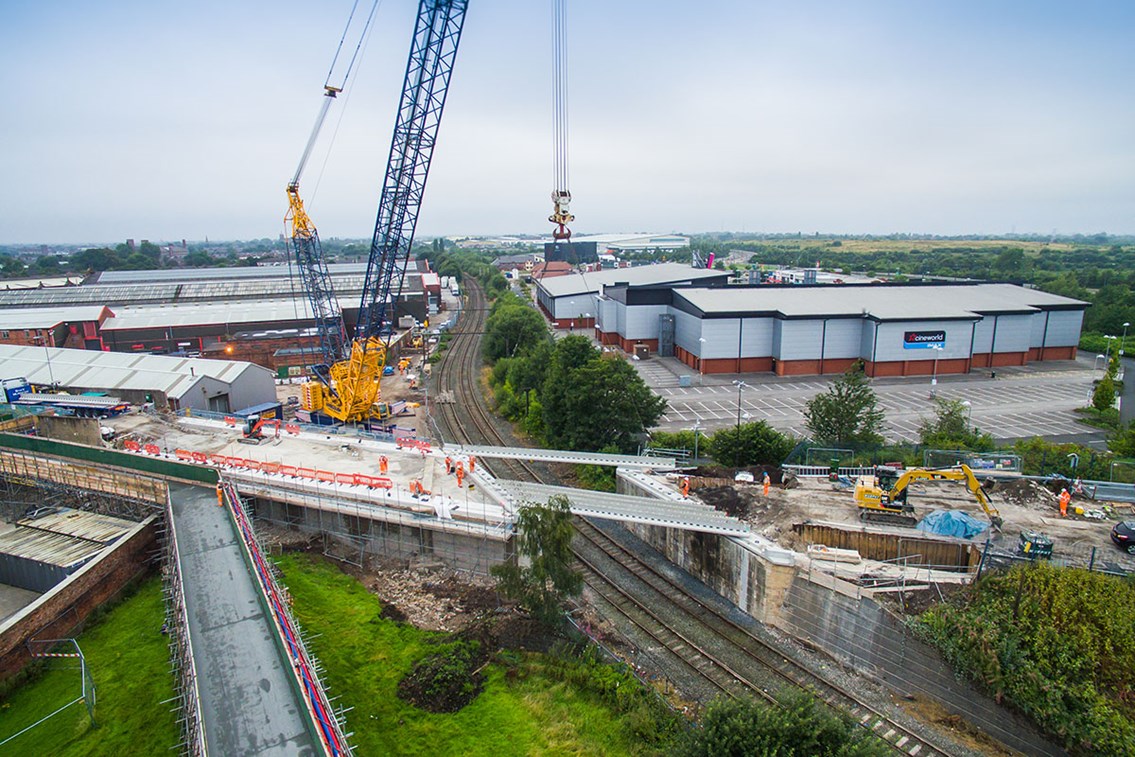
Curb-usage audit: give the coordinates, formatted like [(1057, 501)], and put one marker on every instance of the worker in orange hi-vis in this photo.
[(383, 463), (1065, 498), (472, 462), (766, 483), (684, 487), (448, 465), (460, 474), (220, 496)]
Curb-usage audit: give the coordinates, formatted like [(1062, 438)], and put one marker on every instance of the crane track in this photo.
[(468, 420)]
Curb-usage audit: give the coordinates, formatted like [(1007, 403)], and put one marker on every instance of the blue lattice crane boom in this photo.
[(354, 387)]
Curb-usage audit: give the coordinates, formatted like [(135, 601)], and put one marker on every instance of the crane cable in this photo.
[(561, 196), (330, 91)]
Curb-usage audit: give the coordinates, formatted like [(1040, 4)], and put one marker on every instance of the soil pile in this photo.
[(1024, 493), (446, 681)]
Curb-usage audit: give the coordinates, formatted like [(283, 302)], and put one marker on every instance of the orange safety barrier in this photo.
[(131, 445), (200, 457), (234, 462), (151, 449), (230, 420), (251, 465), (380, 482), (217, 459), (288, 470), (306, 473), (269, 467), (292, 428), (183, 454), (345, 478), (325, 475)]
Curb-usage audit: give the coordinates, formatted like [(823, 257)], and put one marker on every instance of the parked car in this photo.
[(1123, 534)]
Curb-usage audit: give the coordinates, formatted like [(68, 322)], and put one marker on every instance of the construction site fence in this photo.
[(1105, 491), (146, 463)]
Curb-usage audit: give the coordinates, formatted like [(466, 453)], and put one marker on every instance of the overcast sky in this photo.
[(167, 120)]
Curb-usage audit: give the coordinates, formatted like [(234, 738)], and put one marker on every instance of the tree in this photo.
[(1103, 396), (950, 428), (543, 540), (1122, 442), (602, 402), (847, 413), (796, 725), (511, 330), (749, 444)]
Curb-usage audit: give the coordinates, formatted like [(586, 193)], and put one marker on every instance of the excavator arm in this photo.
[(963, 472)]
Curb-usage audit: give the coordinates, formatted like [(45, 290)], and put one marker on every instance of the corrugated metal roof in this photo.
[(45, 318), (219, 274), (117, 370), (883, 302), (54, 281), (212, 313), (661, 273), (92, 527), (52, 549)]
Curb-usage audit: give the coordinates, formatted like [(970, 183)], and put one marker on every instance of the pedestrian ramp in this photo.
[(684, 514), (248, 700)]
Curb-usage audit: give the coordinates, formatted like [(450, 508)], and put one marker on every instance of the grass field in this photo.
[(129, 661), (366, 655)]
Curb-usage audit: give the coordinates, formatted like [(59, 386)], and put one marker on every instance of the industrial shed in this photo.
[(573, 301), (175, 383), (896, 330)]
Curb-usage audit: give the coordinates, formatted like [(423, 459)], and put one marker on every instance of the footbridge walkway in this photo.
[(248, 684)]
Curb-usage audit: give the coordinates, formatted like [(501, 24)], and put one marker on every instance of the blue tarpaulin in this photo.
[(952, 523)]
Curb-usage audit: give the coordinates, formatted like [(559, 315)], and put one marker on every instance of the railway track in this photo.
[(729, 658)]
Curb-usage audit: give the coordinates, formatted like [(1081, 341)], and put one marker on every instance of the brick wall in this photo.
[(60, 611)]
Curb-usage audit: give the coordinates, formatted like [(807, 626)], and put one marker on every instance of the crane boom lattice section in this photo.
[(316, 280), (428, 70)]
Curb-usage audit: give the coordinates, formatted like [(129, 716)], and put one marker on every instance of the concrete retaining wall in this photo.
[(60, 611), (723, 563), (400, 541), (860, 632)]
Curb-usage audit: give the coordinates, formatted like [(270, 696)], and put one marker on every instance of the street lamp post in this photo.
[(969, 414), (696, 429), (1107, 353), (740, 385), (1123, 339), (934, 377), (701, 349)]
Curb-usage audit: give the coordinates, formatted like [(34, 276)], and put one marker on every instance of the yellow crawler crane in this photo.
[(883, 496), (349, 376)]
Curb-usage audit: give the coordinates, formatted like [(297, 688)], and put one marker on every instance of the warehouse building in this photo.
[(896, 330), (173, 383), (572, 301)]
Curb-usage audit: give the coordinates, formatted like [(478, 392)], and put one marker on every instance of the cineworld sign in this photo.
[(922, 340)]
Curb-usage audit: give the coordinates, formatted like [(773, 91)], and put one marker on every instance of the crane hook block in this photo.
[(561, 214)]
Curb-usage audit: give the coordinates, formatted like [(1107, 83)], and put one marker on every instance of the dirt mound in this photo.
[(730, 500), (446, 681), (1024, 493)]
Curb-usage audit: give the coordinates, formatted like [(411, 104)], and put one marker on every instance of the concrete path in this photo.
[(247, 704)]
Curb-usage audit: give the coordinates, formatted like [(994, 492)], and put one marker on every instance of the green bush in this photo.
[(796, 725), (1058, 643)]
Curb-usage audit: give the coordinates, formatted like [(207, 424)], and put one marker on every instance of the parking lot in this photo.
[(1037, 400)]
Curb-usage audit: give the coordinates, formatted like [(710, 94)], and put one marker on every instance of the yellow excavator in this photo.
[(882, 497)]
